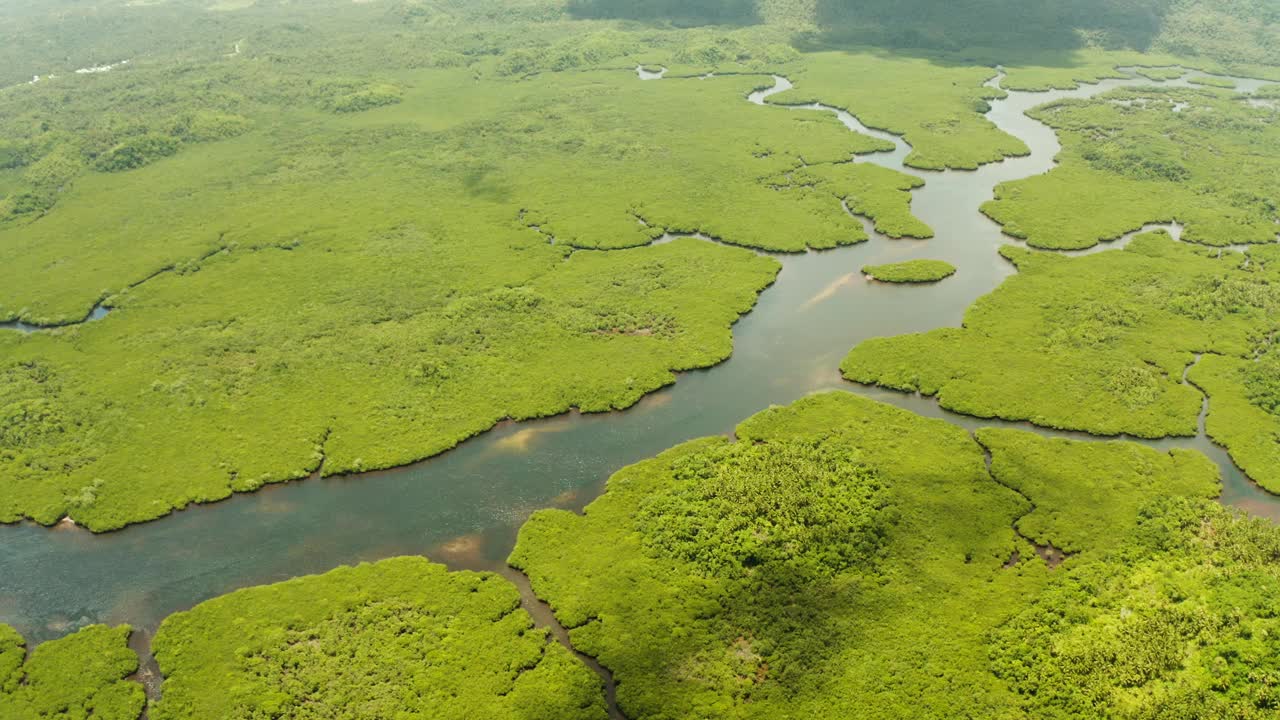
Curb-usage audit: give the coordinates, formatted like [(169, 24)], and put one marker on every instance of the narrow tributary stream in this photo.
[(464, 507)]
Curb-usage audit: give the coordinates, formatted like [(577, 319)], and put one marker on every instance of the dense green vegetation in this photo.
[(419, 339), (1161, 73), (715, 580), (1135, 156), (1100, 343), (1212, 81), (1178, 620), (935, 108), (424, 322), (597, 153), (346, 236), (1088, 496), (910, 271), (395, 639), (79, 676)]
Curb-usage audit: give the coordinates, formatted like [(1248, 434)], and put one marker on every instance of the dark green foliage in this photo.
[(12, 155), (209, 126), (804, 623), (356, 97), (1262, 382), (964, 24), (1178, 619), (677, 12), (400, 638), (808, 504), (136, 152), (78, 676)]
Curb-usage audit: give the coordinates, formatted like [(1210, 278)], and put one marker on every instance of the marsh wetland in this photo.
[(463, 508), (587, 359)]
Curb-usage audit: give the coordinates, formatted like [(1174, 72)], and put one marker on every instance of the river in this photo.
[(464, 507)]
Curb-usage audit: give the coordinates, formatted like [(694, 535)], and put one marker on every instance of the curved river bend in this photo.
[(464, 507)]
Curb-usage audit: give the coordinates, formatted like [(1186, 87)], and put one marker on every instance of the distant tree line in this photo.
[(679, 12)]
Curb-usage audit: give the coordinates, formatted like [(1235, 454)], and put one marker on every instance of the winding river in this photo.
[(464, 507)]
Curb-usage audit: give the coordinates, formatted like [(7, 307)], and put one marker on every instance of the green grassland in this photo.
[(911, 271), (1135, 156), (845, 557), (395, 639), (1100, 343), (81, 675)]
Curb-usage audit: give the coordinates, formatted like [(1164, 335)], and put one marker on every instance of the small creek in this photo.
[(464, 507), (97, 313)]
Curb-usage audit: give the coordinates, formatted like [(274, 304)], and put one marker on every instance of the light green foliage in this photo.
[(376, 287), (1211, 81), (1136, 156), (1241, 416), (419, 338), (1099, 343), (585, 155), (701, 580), (396, 639), (81, 675), (671, 158), (937, 108), (1177, 620), (1032, 71), (108, 122), (870, 190), (1091, 502), (911, 271), (1161, 73)]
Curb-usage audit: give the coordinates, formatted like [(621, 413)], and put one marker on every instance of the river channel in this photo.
[(464, 507)]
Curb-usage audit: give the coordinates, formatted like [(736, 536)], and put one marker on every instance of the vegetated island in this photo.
[(395, 639), (1101, 343), (910, 271), (1135, 156), (1212, 81), (81, 675)]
